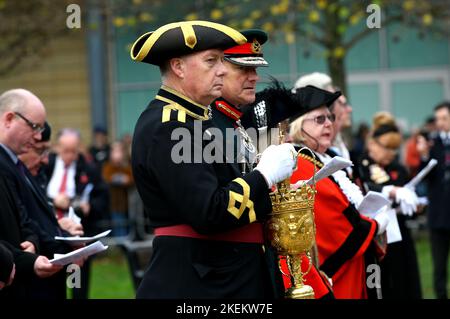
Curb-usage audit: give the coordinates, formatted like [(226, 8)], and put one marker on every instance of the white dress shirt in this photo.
[(56, 179)]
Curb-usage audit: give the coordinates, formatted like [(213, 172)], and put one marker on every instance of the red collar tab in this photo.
[(228, 110), (253, 48)]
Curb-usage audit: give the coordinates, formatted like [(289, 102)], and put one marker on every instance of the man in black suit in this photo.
[(439, 196), (22, 116), (43, 215), (34, 160), (70, 177)]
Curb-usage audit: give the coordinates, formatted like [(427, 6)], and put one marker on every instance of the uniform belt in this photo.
[(251, 233)]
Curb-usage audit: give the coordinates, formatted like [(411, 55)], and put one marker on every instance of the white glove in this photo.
[(382, 219), (387, 190), (407, 199), (277, 163)]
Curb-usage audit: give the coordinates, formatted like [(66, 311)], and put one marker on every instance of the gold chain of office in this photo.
[(312, 160)]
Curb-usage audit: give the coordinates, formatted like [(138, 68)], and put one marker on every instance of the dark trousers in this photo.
[(440, 246), (83, 291)]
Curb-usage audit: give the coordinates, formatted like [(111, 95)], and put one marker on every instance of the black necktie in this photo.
[(21, 167)]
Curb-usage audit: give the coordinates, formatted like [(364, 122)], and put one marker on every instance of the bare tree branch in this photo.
[(366, 31)]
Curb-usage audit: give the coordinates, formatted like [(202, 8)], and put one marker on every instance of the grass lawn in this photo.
[(426, 266), (111, 278)]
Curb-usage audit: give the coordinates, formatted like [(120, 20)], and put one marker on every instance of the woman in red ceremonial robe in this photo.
[(344, 237)]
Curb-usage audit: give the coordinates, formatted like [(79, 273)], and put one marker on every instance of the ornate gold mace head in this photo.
[(291, 231), (291, 227)]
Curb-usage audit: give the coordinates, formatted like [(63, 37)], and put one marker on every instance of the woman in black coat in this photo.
[(380, 171)]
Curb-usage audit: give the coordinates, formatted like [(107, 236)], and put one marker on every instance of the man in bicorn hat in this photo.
[(205, 213)]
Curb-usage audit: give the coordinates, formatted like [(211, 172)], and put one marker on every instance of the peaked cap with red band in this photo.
[(249, 53)]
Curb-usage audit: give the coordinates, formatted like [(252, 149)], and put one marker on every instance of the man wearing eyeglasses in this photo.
[(34, 160), (22, 118), (43, 214)]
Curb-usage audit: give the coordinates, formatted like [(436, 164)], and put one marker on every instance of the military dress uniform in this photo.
[(265, 113), (205, 213), (271, 106), (209, 243)]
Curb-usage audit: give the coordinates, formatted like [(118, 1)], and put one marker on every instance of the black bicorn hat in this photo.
[(304, 100), (310, 98), (249, 53), (182, 38)]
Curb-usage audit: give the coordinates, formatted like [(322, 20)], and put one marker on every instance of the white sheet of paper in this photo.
[(393, 233), (75, 255), (421, 175), (75, 240), (372, 203), (336, 164)]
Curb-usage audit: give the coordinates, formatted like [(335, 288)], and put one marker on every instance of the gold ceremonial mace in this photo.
[(291, 229)]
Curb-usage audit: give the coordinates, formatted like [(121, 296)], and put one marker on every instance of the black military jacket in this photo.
[(182, 173)]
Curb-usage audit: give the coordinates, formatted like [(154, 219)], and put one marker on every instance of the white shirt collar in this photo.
[(444, 135)]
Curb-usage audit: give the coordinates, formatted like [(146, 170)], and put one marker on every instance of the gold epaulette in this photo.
[(173, 112), (312, 160)]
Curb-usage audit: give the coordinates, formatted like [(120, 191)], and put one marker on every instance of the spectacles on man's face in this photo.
[(42, 152), (35, 127), (322, 118)]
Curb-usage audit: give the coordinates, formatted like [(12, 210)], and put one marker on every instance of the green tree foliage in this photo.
[(334, 25), (26, 27)]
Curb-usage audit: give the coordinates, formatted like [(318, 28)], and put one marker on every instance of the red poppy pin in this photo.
[(394, 175), (84, 179)]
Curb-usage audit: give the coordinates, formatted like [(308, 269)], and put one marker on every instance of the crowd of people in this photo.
[(207, 201), (41, 183)]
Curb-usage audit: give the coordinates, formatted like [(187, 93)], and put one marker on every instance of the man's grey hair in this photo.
[(69, 131), (164, 68), (12, 100), (319, 80)]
